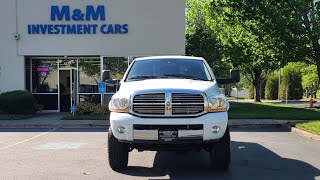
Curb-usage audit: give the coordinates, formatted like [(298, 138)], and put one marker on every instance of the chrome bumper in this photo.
[(152, 135)]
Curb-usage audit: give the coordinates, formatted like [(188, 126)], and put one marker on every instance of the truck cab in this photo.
[(170, 103)]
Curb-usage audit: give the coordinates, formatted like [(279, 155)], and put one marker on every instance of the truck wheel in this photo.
[(118, 153), (220, 153)]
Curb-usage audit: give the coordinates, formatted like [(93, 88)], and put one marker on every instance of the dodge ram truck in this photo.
[(170, 103)]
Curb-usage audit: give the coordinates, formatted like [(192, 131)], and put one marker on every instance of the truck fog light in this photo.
[(215, 129), (121, 129)]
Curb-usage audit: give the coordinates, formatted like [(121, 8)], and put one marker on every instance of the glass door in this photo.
[(74, 86), (65, 83)]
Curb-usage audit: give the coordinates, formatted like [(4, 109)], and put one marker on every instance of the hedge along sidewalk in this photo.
[(271, 111)]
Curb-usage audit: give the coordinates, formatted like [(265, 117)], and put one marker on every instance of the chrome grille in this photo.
[(149, 104), (187, 104), (168, 104)]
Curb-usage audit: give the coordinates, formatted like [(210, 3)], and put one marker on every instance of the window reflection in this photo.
[(93, 98), (114, 67), (89, 75)]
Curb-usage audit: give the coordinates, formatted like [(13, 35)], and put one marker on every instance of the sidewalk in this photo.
[(53, 120)]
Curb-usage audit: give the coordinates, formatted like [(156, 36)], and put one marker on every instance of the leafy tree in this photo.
[(294, 24), (245, 44), (201, 40)]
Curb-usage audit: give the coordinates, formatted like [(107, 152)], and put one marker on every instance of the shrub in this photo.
[(272, 85), (262, 88), (38, 107), (251, 91), (293, 79), (87, 108), (18, 102)]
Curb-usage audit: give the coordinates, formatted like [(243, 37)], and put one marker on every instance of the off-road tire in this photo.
[(118, 153), (220, 155)]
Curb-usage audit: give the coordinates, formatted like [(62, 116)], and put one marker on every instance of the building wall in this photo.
[(12, 76), (154, 28)]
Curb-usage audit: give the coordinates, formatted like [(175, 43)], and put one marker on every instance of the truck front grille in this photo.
[(168, 104), (187, 103), (149, 104)]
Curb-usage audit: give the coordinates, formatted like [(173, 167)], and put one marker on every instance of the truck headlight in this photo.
[(217, 104), (119, 104)]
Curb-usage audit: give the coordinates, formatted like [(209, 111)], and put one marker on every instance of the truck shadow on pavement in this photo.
[(249, 161)]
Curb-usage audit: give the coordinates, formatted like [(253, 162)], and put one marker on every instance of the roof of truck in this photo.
[(170, 57)]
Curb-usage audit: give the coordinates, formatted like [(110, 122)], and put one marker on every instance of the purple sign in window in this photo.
[(42, 69)]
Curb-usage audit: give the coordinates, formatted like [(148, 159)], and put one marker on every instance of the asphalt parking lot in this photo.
[(82, 154)]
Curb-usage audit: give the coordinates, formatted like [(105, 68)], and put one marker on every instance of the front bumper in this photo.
[(131, 134)]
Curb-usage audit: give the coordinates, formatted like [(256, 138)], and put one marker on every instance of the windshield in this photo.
[(169, 68)]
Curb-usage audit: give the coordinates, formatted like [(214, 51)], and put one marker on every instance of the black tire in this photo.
[(220, 155), (118, 153)]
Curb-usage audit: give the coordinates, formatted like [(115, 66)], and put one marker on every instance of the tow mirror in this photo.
[(234, 77), (106, 75)]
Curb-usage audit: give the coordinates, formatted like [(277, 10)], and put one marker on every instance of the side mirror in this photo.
[(234, 77), (106, 75)]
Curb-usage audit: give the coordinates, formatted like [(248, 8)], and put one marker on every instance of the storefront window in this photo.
[(44, 76), (67, 63), (89, 75), (58, 83), (93, 98)]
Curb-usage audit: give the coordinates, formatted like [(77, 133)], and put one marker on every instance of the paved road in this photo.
[(82, 154)]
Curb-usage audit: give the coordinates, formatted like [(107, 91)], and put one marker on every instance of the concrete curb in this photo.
[(62, 126), (302, 132), (105, 126)]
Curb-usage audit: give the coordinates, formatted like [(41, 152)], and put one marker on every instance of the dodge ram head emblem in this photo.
[(168, 103)]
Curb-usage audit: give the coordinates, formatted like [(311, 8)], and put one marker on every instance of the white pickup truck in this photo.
[(170, 103)]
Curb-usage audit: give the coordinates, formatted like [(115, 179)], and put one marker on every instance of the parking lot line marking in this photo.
[(60, 146), (27, 139)]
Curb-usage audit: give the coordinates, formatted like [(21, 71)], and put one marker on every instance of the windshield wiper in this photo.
[(182, 76), (141, 77)]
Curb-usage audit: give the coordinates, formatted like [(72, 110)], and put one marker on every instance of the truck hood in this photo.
[(209, 87)]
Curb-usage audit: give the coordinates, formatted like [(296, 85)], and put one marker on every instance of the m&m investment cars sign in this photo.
[(66, 20)]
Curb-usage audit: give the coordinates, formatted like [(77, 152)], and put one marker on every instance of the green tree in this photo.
[(294, 24), (245, 44), (201, 40)]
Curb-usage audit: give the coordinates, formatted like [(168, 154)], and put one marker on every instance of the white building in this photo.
[(57, 49)]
